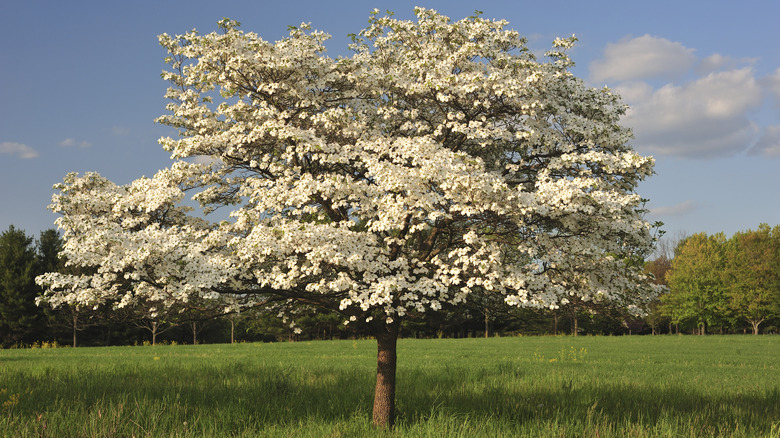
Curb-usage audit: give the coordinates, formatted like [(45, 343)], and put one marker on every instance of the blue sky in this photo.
[(80, 87)]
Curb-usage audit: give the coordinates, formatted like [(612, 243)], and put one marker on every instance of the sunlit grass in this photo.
[(529, 386)]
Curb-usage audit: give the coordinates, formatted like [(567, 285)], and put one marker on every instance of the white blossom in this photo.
[(439, 161)]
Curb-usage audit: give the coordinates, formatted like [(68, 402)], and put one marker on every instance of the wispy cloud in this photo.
[(120, 130), (769, 143), (69, 142), (772, 83), (674, 210), (18, 149)]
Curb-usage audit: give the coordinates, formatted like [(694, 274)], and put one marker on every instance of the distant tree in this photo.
[(320, 324), (76, 318), (484, 306), (658, 267), (259, 325), (697, 290), (155, 320), (198, 314), (20, 319), (667, 244), (48, 248), (751, 274)]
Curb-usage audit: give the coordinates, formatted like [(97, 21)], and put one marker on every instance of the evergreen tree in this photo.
[(20, 318), (48, 247)]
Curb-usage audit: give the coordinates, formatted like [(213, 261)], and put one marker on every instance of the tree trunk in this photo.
[(487, 323), (75, 326), (194, 326), (384, 394), (756, 323), (575, 325)]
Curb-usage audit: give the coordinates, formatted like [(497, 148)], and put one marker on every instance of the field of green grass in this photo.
[(676, 386)]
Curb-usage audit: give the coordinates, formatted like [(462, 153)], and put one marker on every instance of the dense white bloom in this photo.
[(440, 160)]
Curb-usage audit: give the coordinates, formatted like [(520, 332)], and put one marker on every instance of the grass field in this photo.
[(680, 386)]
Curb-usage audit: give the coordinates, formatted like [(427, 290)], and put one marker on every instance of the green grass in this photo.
[(528, 386)]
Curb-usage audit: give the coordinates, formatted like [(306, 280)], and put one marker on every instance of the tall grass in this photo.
[(529, 386)]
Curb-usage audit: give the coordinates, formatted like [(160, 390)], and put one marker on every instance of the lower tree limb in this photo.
[(756, 323)]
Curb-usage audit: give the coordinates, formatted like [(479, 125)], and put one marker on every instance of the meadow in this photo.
[(675, 386)]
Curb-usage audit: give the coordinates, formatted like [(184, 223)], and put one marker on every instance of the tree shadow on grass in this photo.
[(510, 397), (244, 396)]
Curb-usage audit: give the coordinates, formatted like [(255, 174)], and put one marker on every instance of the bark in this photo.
[(487, 323), (194, 326), (755, 323), (384, 394), (576, 325), (75, 327)]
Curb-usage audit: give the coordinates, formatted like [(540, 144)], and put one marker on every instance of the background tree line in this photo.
[(716, 285)]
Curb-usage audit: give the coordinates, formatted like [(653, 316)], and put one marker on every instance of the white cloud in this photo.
[(641, 58), (713, 63), (703, 118), (707, 111), (18, 149), (634, 92), (69, 142), (674, 210)]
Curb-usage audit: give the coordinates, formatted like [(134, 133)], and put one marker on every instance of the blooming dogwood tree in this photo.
[(440, 161)]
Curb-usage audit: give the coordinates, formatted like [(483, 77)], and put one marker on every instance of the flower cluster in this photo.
[(440, 162)]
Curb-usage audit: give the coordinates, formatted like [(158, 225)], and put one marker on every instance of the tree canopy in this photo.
[(440, 162)]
